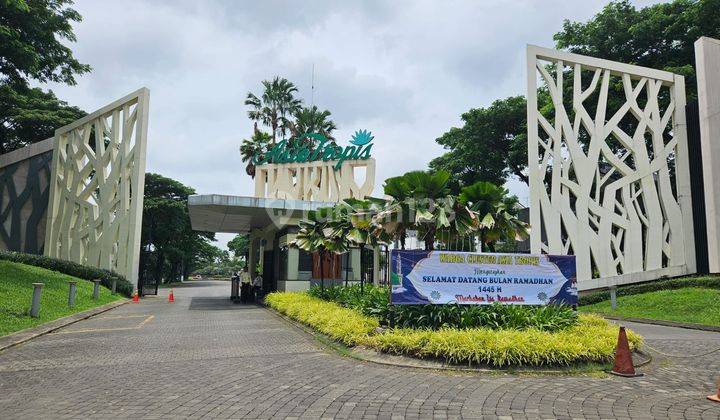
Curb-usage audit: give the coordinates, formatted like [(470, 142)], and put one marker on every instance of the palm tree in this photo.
[(497, 213), (321, 232), (274, 107), (252, 147), (312, 120), (397, 214), (423, 200), (360, 229)]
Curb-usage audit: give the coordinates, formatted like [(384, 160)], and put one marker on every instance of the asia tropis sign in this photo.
[(448, 277)]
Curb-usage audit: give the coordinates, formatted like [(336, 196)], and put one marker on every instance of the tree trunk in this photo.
[(362, 268), (322, 270), (430, 240)]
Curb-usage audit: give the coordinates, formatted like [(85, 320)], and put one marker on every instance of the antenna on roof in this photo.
[(312, 87)]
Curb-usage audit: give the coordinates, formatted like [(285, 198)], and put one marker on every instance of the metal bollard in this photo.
[(613, 297), (114, 286), (96, 289), (35, 307), (73, 293)]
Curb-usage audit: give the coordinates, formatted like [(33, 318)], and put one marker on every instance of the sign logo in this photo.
[(299, 150)]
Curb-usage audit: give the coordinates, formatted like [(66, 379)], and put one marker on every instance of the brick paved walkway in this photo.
[(205, 357)]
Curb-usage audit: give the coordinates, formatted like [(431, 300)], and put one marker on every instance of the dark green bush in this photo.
[(80, 271), (652, 286), (374, 301)]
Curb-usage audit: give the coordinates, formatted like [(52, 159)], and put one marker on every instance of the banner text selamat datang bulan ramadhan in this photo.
[(447, 277)]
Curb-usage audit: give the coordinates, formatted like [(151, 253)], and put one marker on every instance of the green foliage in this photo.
[(690, 304), (28, 115), (178, 249), (239, 245), (422, 200), (709, 282), (31, 41), (659, 36), (490, 146), (312, 120), (492, 143), (374, 301), (249, 148), (591, 339), (123, 286), (345, 325), (274, 107), (33, 34), (16, 290), (497, 212)]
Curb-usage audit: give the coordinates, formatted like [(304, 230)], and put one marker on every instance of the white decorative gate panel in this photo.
[(97, 186), (608, 167)]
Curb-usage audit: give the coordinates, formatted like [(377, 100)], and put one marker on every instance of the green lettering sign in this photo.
[(297, 151)]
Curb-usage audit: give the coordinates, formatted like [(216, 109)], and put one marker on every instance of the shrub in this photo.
[(343, 324), (373, 301), (592, 340), (652, 286), (80, 271)]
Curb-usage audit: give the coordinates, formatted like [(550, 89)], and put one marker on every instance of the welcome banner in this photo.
[(449, 277)]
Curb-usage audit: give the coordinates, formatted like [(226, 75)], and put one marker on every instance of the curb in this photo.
[(676, 324), (373, 356), (28, 334)]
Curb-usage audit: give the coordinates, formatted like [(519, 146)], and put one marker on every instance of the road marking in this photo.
[(137, 327)]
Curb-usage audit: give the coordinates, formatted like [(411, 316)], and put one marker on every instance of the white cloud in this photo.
[(405, 70)]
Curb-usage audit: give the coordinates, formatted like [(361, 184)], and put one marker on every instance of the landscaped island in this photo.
[(494, 335)]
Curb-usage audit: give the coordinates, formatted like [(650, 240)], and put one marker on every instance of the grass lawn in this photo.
[(695, 305), (16, 294)]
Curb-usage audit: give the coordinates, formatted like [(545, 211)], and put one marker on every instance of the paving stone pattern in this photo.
[(205, 357)]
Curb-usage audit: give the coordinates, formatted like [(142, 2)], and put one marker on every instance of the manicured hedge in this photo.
[(80, 271), (342, 324), (710, 282), (373, 301), (592, 339)]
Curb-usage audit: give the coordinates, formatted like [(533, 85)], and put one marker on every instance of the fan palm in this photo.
[(497, 213), (357, 219), (422, 200), (321, 232), (274, 107), (252, 147), (312, 120)]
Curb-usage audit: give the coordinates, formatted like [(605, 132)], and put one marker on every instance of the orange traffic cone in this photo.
[(623, 358), (715, 397), (171, 297), (136, 297)]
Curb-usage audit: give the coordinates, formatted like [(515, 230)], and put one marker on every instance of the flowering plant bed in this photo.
[(590, 339)]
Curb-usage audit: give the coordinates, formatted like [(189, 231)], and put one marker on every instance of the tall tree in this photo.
[(31, 48), (166, 225), (659, 36), (274, 107), (312, 120), (249, 148), (239, 245), (497, 213), (427, 206), (488, 147)]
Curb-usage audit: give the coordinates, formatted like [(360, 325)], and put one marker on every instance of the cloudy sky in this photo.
[(405, 70)]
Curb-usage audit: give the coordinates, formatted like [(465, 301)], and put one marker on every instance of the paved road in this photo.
[(204, 357)]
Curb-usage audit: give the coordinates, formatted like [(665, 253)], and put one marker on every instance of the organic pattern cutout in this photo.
[(606, 167), (97, 191), (24, 189)]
